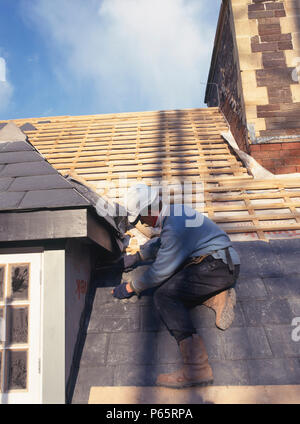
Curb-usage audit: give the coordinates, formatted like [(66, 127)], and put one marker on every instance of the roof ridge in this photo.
[(134, 113)]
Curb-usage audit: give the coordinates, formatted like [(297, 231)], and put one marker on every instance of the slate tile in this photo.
[(28, 127), (214, 342), (112, 324), (117, 309), (10, 200), (285, 247), (140, 375), (261, 312), (202, 316), (27, 169), (114, 317), (267, 262), (40, 182), (2, 145), (239, 320), (89, 377), (167, 349), (20, 157), (274, 371), (247, 257), (94, 350), (52, 198), (17, 146), (247, 288), (130, 300), (257, 259), (284, 286), (281, 341), (5, 183), (102, 296), (246, 343), (295, 306), (150, 319), (288, 252), (132, 348), (230, 373)]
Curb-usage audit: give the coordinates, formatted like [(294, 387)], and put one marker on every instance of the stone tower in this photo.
[(253, 77)]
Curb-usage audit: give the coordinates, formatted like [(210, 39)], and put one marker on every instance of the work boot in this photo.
[(223, 304), (195, 371)]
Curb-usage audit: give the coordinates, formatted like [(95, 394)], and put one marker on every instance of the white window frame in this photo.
[(33, 392)]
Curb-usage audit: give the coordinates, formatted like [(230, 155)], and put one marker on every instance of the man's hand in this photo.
[(128, 288), (123, 291)]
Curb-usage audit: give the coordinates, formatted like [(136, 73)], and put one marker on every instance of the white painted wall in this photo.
[(53, 327)]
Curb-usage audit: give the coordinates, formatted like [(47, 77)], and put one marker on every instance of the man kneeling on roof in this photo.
[(193, 264)]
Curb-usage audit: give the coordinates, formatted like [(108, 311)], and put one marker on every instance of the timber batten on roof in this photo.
[(168, 148)]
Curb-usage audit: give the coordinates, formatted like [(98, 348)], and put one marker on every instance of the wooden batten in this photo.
[(168, 149)]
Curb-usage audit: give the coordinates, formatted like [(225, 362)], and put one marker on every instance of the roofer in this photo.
[(194, 263)]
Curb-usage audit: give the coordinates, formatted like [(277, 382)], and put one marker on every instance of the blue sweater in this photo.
[(188, 235)]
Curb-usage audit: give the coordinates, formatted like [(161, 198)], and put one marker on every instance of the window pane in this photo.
[(17, 324), (19, 282), (16, 368), (1, 283)]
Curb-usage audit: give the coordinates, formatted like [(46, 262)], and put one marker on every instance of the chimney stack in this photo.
[(255, 62)]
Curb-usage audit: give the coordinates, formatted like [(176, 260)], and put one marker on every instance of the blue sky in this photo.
[(77, 57)]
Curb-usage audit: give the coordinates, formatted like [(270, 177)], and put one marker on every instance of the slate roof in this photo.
[(126, 344), (28, 181)]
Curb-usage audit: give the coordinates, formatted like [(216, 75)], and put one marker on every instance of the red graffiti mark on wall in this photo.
[(81, 288)]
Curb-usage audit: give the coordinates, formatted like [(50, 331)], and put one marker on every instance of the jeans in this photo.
[(189, 287)]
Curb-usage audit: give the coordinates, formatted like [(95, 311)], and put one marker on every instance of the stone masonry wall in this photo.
[(268, 40), (225, 77), (281, 114)]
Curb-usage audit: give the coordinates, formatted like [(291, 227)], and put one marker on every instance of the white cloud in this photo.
[(149, 54), (6, 89), (2, 70)]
